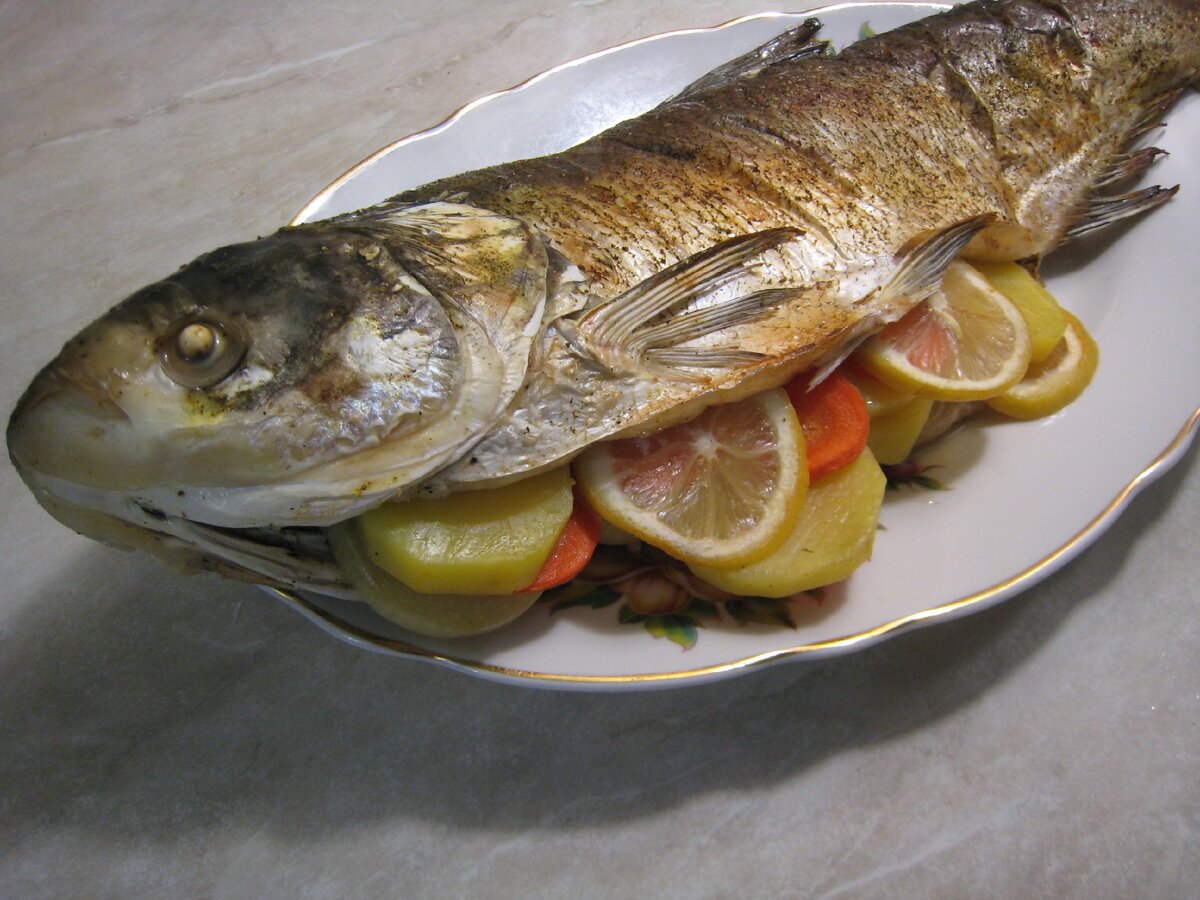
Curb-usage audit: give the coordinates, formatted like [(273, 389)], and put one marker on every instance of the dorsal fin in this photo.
[(618, 334), (795, 43)]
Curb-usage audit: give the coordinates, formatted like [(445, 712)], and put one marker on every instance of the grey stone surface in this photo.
[(187, 737)]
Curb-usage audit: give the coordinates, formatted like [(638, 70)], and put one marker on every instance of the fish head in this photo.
[(289, 381), (255, 360)]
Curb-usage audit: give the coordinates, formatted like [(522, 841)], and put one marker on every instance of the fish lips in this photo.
[(56, 417)]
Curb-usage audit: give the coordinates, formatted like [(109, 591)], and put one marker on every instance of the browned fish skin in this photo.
[(1014, 108), (1011, 110)]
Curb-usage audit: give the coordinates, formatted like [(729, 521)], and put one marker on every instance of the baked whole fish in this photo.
[(491, 325)]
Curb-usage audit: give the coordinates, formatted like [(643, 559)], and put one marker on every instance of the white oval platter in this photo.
[(1022, 499)]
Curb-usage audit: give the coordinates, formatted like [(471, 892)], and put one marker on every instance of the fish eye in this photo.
[(201, 352)]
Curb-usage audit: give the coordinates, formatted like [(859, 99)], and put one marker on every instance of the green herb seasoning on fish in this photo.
[(757, 227)]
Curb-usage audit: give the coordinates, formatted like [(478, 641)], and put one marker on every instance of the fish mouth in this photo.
[(295, 558), (77, 450), (289, 558), (67, 430)]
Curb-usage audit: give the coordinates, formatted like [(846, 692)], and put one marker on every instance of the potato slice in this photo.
[(833, 537), (474, 542), (894, 434), (880, 398), (437, 615), (1042, 313)]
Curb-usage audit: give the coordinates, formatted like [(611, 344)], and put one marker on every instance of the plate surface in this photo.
[(1022, 498)]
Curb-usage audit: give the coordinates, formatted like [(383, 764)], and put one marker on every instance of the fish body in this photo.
[(490, 325)]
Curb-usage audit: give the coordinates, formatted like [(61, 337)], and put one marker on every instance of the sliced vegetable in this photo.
[(574, 549), (1001, 242), (832, 537), (835, 422), (1042, 313), (474, 542), (881, 398), (1058, 380), (894, 434), (437, 615)]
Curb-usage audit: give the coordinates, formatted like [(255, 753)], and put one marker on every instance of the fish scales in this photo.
[(979, 111), (497, 322)]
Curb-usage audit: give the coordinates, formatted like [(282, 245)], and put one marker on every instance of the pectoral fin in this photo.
[(625, 335)]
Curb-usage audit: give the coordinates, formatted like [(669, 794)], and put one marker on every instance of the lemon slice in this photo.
[(721, 490), (1050, 385), (966, 342), (833, 535), (1041, 311)]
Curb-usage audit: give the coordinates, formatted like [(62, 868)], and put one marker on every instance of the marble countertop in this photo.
[(188, 737)]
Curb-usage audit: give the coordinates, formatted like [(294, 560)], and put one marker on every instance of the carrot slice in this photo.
[(574, 549), (835, 421)]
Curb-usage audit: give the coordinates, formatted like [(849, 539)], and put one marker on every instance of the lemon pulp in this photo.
[(967, 342), (720, 490)]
